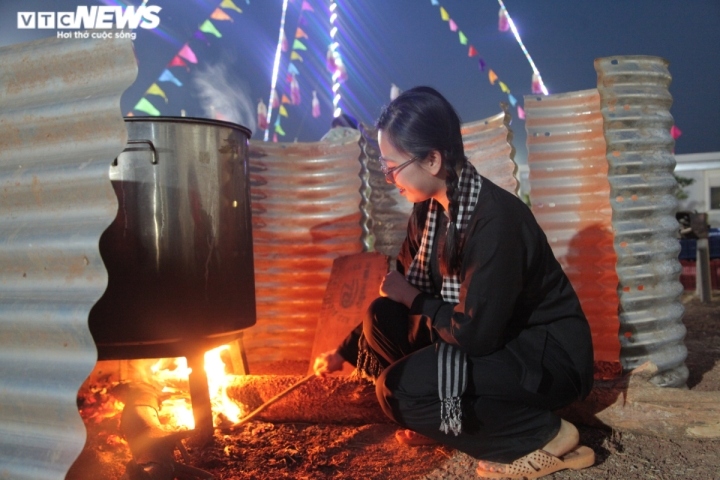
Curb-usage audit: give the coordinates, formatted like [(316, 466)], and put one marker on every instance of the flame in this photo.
[(176, 408)]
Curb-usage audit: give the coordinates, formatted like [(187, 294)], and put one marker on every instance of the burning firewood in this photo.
[(152, 446)]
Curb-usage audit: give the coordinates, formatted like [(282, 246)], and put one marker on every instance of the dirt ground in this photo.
[(264, 450)]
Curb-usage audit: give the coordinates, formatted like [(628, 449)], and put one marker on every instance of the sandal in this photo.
[(538, 464), (412, 438)]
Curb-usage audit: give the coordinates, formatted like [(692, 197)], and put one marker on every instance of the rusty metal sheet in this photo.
[(305, 202), (635, 104), (570, 198), (60, 128)]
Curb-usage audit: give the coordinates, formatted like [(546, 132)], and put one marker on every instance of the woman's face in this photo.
[(418, 180)]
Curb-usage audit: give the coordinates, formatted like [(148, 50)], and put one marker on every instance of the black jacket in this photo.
[(513, 291)]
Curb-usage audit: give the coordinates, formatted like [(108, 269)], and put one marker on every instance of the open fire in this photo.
[(170, 377), (144, 408)]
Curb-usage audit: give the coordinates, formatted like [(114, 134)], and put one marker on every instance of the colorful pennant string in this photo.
[(505, 23), (292, 97), (511, 25), (184, 58), (276, 65)]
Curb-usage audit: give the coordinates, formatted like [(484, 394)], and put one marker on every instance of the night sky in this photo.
[(407, 43)]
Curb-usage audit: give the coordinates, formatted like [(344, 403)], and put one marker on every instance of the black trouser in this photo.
[(501, 421)]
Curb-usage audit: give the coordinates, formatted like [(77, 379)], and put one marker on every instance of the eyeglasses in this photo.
[(390, 172)]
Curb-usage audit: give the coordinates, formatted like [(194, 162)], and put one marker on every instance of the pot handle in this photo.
[(149, 143)]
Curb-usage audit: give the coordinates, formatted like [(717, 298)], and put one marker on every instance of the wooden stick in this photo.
[(274, 399)]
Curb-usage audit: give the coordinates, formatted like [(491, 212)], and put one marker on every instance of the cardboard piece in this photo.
[(354, 283)]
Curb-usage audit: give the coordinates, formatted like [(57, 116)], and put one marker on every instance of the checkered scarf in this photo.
[(452, 363)]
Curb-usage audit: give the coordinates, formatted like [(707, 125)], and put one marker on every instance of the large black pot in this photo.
[(179, 253)]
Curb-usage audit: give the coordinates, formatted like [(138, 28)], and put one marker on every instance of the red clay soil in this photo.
[(263, 450)]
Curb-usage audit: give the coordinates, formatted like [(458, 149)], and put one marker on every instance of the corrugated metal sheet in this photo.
[(635, 104), (60, 128), (386, 212), (570, 197), (488, 146), (305, 201)]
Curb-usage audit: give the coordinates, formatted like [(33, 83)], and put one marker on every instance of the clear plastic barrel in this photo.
[(635, 104)]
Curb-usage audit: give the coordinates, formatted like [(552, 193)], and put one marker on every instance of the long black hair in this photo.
[(417, 122)]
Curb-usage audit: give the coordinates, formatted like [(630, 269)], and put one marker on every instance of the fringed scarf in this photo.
[(452, 363)]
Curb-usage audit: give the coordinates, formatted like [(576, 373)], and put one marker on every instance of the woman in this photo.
[(479, 335)]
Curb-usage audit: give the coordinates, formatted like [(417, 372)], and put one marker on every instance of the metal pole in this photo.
[(703, 270)]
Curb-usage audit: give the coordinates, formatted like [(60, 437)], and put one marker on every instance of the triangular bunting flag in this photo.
[(156, 90), (300, 33), (144, 106), (278, 128), (292, 69), (434, 2), (167, 76), (306, 6), (298, 45), (513, 100), (283, 111), (200, 36), (504, 87), (208, 27), (481, 64), (443, 14), (463, 38), (295, 56), (220, 15), (492, 77), (453, 25), (177, 62), (472, 52), (521, 113), (186, 53), (229, 4), (285, 99)]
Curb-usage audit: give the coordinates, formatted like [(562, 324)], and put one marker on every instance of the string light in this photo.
[(522, 46), (339, 67), (276, 67)]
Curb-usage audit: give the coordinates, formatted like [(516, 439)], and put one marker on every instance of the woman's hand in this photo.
[(396, 287), (328, 362)]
